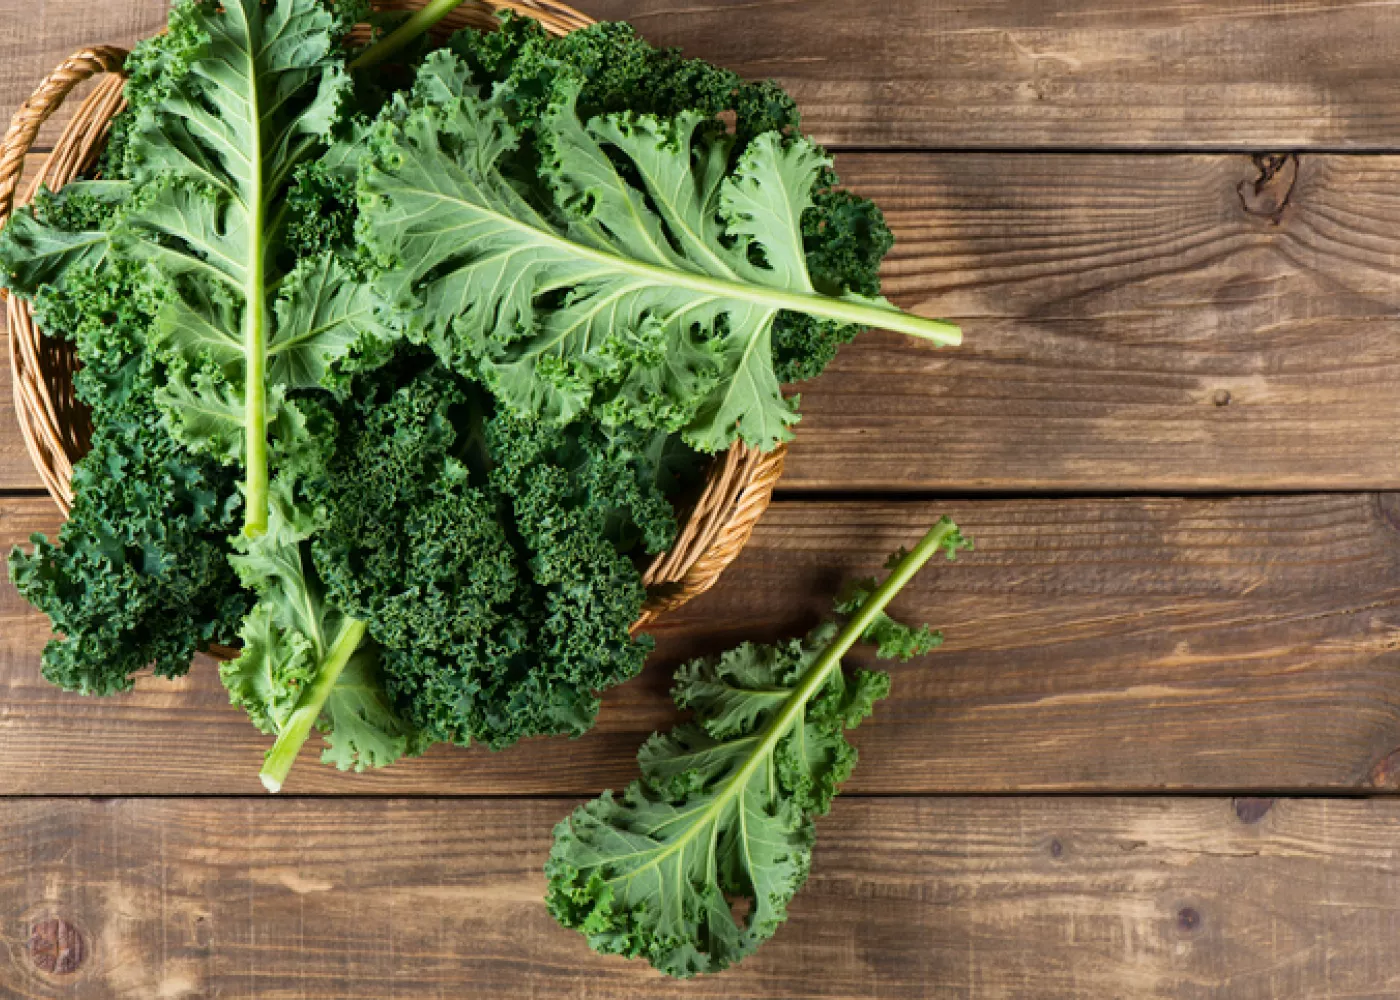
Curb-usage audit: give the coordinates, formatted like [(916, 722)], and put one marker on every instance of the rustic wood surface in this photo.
[(913, 897), (1180, 391), (1093, 645), (1110, 74)]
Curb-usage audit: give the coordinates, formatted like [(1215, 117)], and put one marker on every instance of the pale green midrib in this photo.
[(309, 707), (255, 326), (811, 683), (825, 306)]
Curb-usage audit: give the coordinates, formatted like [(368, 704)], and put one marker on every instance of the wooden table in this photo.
[(1155, 757)]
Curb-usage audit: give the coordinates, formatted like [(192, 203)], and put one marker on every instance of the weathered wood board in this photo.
[(1080, 899), (1132, 323), (1093, 645)]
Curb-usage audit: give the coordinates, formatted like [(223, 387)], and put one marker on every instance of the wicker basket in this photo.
[(55, 425)]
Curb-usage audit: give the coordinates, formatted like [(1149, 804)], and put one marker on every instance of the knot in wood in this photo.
[(1252, 811), (1267, 195), (55, 946)]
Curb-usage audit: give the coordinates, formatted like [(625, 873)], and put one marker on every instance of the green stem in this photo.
[(255, 340), (811, 303), (830, 658), (298, 728), (255, 418), (421, 21), (824, 306)]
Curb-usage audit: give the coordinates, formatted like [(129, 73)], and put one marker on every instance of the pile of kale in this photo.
[(397, 376)]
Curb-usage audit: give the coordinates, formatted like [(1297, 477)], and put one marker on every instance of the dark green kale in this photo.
[(486, 554), (845, 235), (140, 575)]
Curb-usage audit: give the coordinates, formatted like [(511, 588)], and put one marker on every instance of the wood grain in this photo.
[(998, 73), (1162, 323), (988, 898), (37, 35), (1132, 323), (1075, 73), (1093, 645)]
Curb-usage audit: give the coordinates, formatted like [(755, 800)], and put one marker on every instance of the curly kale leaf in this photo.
[(213, 154), (305, 663), (57, 233), (649, 302), (483, 552), (845, 236), (726, 805), (140, 575)]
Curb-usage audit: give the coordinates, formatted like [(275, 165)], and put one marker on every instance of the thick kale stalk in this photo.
[(642, 279), (726, 804), (419, 22), (245, 326), (305, 664)]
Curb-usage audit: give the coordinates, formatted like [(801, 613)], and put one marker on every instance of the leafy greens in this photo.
[(213, 160), (409, 545), (487, 553), (139, 574)]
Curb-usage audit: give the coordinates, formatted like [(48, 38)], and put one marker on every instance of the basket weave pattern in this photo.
[(56, 429)]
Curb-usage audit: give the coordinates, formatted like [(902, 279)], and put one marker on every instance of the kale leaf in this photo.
[(139, 576), (845, 236), (305, 663), (646, 294), (726, 805), (213, 155)]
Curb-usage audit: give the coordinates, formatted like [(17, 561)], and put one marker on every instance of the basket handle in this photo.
[(44, 102)]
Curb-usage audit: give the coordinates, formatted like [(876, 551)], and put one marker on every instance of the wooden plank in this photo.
[(1013, 73), (1133, 323), (1087, 72), (40, 34), (16, 469), (994, 898), (1072, 74), (1093, 645)]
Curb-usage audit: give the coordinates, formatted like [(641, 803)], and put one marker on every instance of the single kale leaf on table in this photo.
[(725, 807)]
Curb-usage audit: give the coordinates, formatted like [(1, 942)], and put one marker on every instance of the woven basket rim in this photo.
[(713, 530)]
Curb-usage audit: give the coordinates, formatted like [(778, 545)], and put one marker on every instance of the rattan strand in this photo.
[(55, 426)]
